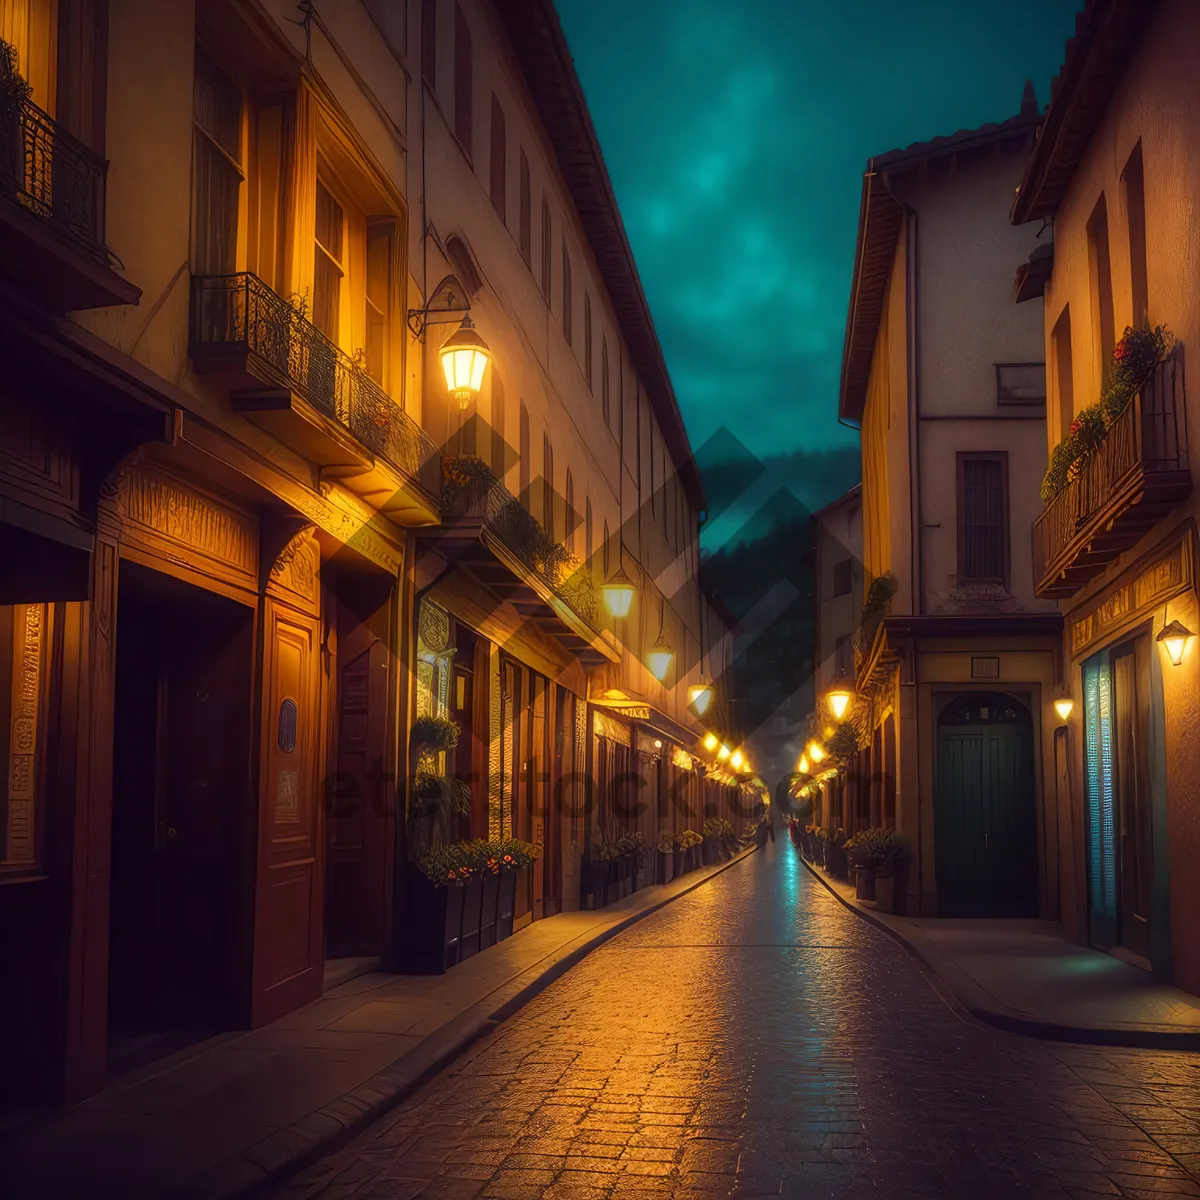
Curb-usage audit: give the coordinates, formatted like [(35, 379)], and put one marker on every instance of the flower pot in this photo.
[(885, 892), (596, 874), (506, 903), (432, 926), (663, 864), (488, 913), (694, 858), (679, 861), (864, 888)]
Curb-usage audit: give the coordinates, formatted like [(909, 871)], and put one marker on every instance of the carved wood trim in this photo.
[(295, 575)]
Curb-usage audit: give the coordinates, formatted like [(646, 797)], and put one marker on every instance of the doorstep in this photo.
[(1025, 976), (247, 1107)]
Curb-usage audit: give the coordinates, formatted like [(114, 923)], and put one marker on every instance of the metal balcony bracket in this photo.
[(453, 307)]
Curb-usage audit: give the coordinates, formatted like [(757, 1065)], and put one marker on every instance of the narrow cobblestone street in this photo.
[(757, 1038)]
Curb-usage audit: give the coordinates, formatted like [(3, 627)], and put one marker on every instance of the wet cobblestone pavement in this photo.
[(756, 1038)]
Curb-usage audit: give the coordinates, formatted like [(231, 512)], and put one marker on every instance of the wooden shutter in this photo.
[(1101, 830), (982, 519)]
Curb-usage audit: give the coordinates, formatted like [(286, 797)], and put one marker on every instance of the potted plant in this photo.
[(466, 479), (875, 854), (679, 858), (632, 849), (433, 907), (664, 858), (14, 92), (598, 872), (513, 858)]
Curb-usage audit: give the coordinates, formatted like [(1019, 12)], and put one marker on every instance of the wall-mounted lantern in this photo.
[(1175, 638), (1064, 706), (711, 742), (618, 594), (838, 699), (724, 752), (816, 751), (464, 356), (700, 696)]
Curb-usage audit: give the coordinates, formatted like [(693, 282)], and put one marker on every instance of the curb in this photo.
[(1146, 1037), (291, 1149)]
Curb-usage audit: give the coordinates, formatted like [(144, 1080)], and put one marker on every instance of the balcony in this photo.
[(1138, 475), (287, 377), (487, 532), (52, 212)]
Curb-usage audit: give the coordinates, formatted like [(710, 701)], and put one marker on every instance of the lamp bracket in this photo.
[(454, 306)]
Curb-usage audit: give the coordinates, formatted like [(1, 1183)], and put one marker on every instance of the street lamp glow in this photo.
[(618, 594), (658, 743), (1175, 638), (802, 765), (464, 356), (737, 760), (816, 751), (838, 700), (711, 742), (660, 658), (700, 697), (1064, 707), (724, 752)]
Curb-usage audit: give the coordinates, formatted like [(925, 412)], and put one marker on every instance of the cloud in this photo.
[(736, 136)]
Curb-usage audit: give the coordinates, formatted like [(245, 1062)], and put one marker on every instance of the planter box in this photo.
[(679, 858), (597, 874), (506, 903), (835, 860), (431, 928), (663, 867), (468, 943), (885, 893), (864, 883), (694, 858), (490, 909)]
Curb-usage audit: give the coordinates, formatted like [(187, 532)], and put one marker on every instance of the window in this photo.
[(499, 162), (526, 237), (587, 338), (1133, 191), (548, 487), (216, 169), (1103, 337), (566, 292), (328, 264), (569, 521), (392, 19), (605, 550), (982, 518), (587, 533), (1021, 384), (499, 463), (1060, 351), (24, 653), (525, 452), (378, 298), (604, 385), (464, 82), (31, 28), (547, 244), (653, 496), (842, 572), (429, 41)]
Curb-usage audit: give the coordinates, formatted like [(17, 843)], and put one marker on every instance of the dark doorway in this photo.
[(985, 820), (181, 849)]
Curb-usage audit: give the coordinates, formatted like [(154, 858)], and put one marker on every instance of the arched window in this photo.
[(525, 452), (464, 82), (587, 338), (526, 237), (566, 292), (548, 487), (604, 381), (547, 250), (569, 521)]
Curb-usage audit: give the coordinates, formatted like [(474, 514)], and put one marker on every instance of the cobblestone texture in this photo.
[(756, 1038)]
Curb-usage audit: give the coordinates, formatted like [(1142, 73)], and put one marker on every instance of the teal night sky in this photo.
[(736, 136)]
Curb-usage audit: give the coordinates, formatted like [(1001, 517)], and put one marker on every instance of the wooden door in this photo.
[(358, 822), (288, 926), (1131, 738), (985, 824)]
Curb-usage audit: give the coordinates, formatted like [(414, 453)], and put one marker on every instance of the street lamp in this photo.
[(618, 594), (1063, 706), (838, 698), (660, 656), (724, 752), (1175, 638), (802, 765), (464, 356), (737, 760), (816, 751), (700, 697), (711, 742)]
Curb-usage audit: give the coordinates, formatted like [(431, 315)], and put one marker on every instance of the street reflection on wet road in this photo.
[(757, 1038)]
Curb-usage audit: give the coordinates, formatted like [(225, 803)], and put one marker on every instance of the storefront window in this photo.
[(22, 671)]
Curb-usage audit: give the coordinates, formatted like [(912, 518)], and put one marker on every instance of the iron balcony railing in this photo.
[(241, 314), (1145, 445), (48, 172), (521, 533)]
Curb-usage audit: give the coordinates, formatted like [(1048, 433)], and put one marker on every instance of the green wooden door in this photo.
[(984, 813)]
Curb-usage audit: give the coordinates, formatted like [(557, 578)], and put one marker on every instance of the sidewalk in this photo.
[(1026, 977), (227, 1115)]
